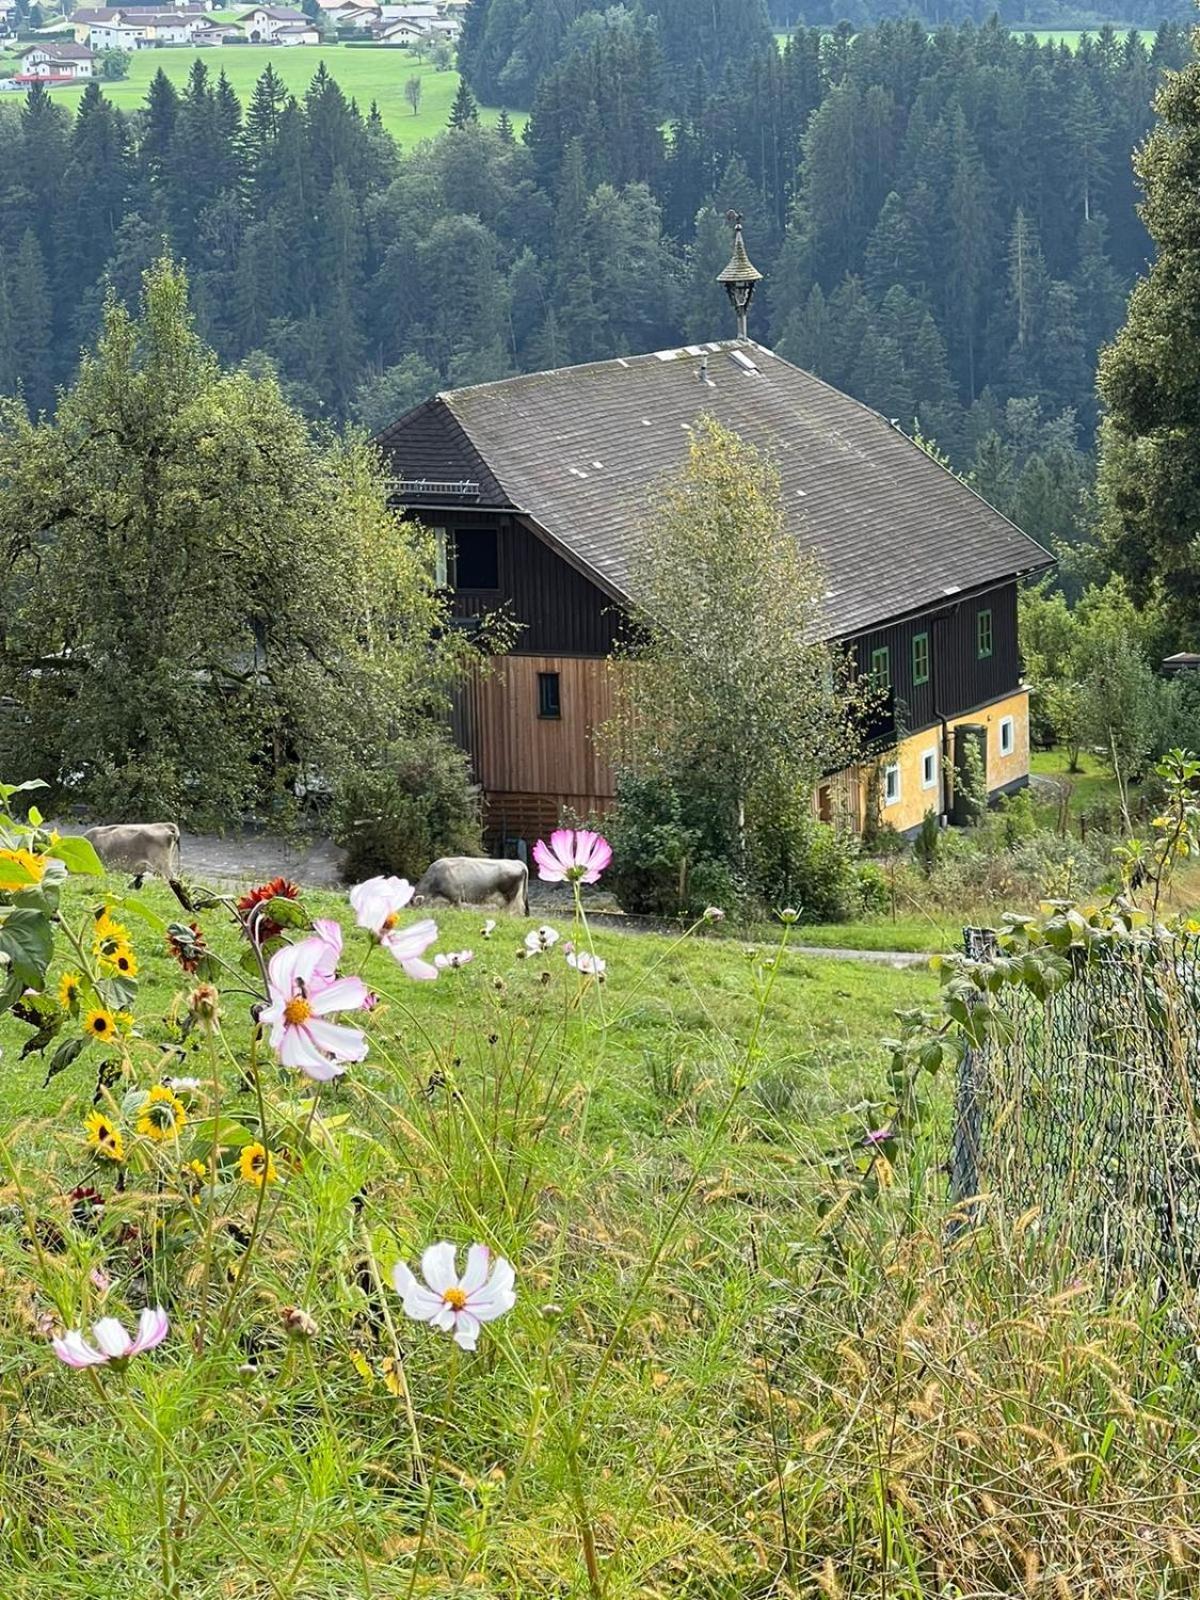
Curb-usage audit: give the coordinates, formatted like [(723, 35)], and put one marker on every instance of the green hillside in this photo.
[(364, 72)]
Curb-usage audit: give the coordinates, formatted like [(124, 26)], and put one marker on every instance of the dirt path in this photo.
[(246, 856)]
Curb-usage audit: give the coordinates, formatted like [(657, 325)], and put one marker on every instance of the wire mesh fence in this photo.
[(1087, 1110)]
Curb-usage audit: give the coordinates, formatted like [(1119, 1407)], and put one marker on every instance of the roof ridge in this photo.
[(678, 352)]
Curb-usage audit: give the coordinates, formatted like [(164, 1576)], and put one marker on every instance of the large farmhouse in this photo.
[(538, 486)]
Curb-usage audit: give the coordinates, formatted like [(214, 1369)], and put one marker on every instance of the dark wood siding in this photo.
[(958, 678), (559, 611)]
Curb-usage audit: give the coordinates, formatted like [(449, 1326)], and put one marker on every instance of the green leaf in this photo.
[(27, 938), (63, 1057), (287, 913), (15, 874), (78, 855), (223, 1131), (136, 909)]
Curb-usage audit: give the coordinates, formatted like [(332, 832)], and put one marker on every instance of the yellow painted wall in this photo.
[(914, 801)]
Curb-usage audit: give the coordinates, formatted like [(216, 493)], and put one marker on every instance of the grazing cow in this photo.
[(139, 848), (475, 881)]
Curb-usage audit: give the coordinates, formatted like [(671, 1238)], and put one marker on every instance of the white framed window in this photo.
[(929, 768), (1008, 736), (891, 784)]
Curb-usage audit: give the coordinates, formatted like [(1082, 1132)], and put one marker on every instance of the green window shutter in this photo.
[(881, 669), (983, 633), (920, 658)]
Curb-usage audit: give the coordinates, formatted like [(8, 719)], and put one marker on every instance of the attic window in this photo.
[(476, 561)]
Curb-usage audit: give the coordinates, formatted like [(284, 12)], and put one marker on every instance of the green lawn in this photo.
[(1093, 785), (364, 73)]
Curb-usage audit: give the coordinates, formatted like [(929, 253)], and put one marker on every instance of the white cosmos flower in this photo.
[(585, 961), (488, 928), (458, 1306), (453, 958), (113, 1343), (540, 939)]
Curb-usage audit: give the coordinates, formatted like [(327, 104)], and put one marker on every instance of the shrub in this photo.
[(928, 843), (1017, 821), (824, 881), (418, 805)]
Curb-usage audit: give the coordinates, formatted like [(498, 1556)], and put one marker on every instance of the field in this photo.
[(745, 1359), (365, 74)]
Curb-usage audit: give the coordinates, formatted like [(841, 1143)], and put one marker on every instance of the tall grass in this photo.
[(706, 1389)]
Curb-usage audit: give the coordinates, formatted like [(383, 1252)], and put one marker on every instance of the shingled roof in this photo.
[(581, 450)]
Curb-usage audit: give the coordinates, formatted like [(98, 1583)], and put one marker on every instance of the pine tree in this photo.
[(464, 110), (504, 127), (30, 309), (159, 119)]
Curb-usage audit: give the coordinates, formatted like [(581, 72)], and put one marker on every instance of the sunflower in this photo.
[(104, 1136), (162, 1114), (257, 1165), (122, 961), (101, 1024), (69, 986), (19, 867)]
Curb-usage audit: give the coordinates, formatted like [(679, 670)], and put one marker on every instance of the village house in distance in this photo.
[(537, 487)]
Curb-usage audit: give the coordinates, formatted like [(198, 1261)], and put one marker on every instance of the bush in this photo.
[(1017, 820), (663, 866), (927, 844), (825, 883), (400, 816)]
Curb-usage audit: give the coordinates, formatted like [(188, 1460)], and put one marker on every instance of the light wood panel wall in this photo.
[(516, 752)]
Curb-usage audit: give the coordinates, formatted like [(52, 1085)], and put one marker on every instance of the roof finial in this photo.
[(740, 276)]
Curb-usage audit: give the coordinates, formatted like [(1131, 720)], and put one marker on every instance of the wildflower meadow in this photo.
[(350, 1252)]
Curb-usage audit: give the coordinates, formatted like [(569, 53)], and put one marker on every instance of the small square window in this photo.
[(920, 662), (881, 668), (891, 784), (983, 633), (929, 768), (1008, 736), (549, 703)]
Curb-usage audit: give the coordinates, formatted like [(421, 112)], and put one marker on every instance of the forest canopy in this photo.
[(947, 224)]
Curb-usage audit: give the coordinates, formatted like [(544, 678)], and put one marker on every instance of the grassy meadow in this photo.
[(746, 1361), (365, 74)]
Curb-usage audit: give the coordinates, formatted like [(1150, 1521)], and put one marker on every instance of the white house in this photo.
[(115, 36), (57, 60), (401, 33), (263, 25)]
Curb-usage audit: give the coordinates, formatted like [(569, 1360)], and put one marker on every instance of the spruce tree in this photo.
[(464, 110)]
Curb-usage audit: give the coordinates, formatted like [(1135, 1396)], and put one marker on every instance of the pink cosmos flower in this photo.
[(453, 958), (378, 902), (304, 994), (113, 1342), (574, 855), (407, 946), (377, 905), (457, 1305), (878, 1136), (584, 961)]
